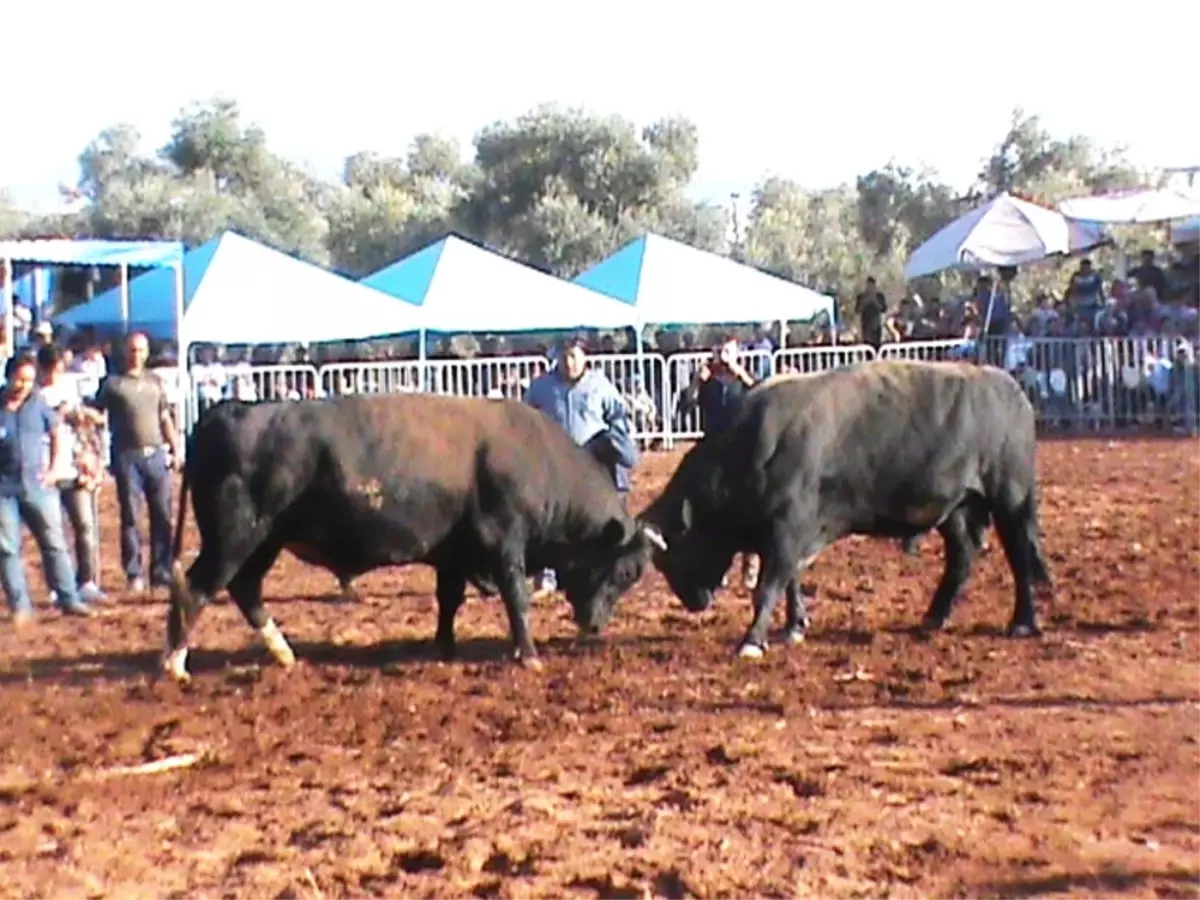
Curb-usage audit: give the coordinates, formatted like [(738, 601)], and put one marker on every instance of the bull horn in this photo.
[(654, 536)]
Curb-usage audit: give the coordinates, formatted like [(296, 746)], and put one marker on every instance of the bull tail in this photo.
[(1037, 562)]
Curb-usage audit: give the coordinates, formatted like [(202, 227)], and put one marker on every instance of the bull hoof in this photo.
[(794, 636), (277, 644), (174, 665), (1023, 630), (931, 624), (751, 651), (532, 663)]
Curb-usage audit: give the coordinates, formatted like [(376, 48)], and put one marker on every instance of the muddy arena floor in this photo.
[(862, 763)]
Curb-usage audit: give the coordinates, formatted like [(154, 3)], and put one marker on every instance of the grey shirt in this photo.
[(135, 405)]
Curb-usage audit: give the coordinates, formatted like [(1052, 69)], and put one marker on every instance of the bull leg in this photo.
[(246, 590), (798, 620), (978, 520), (961, 537), (1017, 527), (347, 590), (190, 593), (511, 581), (451, 592), (778, 571)]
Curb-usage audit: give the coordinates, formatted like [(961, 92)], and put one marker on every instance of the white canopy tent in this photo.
[(456, 286), (238, 291), (671, 283)]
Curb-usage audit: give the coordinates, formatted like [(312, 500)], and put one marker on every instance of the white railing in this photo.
[(1096, 383)]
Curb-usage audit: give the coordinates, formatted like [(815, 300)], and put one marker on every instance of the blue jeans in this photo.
[(41, 510), (141, 472)]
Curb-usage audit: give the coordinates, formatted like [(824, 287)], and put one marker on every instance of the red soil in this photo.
[(862, 763)]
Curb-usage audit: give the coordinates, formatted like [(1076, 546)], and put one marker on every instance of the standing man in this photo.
[(718, 389), (139, 419), (871, 308), (588, 407), (27, 478), (80, 473)]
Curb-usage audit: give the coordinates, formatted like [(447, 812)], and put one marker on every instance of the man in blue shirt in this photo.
[(590, 409), (27, 494)]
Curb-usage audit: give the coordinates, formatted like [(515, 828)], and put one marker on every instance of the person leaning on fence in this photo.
[(28, 475), (590, 409), (81, 471), (717, 390), (140, 421)]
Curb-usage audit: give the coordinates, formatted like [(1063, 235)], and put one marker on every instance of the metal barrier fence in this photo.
[(1097, 383)]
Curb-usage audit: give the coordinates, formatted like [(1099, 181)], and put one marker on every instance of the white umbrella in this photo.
[(1137, 207), (1005, 231)]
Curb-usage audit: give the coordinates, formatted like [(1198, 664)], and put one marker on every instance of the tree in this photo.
[(561, 189), (386, 208), (895, 202), (557, 188), (11, 218), (214, 173), (808, 237), (1030, 163)]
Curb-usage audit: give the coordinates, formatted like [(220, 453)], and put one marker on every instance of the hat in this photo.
[(44, 327)]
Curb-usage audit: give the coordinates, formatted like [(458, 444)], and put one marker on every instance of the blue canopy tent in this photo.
[(238, 291), (462, 287), (63, 252), (670, 283)]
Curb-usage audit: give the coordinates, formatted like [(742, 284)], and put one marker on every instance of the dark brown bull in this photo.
[(885, 448), (482, 490)]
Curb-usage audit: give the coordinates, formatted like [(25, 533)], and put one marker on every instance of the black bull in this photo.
[(888, 449), (482, 490)]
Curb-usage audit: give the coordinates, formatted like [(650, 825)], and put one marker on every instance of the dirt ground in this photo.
[(862, 763)]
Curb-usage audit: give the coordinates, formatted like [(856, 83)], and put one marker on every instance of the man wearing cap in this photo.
[(589, 408)]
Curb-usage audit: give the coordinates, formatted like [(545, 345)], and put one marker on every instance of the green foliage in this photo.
[(558, 188)]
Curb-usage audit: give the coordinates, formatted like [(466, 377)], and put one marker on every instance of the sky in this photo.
[(818, 93)]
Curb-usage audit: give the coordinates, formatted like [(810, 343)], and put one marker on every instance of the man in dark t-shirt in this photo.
[(1148, 274), (139, 418), (871, 307)]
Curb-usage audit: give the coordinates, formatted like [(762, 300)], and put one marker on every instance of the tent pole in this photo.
[(183, 401), (125, 297), (10, 340), (423, 379), (987, 321)]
